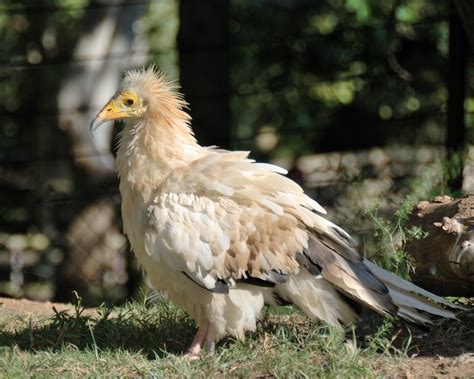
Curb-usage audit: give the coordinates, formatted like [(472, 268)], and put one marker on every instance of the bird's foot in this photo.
[(192, 356), (203, 340), (195, 349)]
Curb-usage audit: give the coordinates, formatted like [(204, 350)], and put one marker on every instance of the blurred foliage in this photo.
[(319, 73), (160, 27), (308, 76)]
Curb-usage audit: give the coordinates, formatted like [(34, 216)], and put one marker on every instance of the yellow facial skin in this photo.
[(126, 104)]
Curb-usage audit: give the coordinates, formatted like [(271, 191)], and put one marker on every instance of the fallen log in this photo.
[(444, 259)]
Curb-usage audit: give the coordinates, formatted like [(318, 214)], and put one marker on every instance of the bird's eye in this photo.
[(129, 101)]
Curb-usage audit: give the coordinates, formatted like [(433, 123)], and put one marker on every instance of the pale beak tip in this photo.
[(96, 122)]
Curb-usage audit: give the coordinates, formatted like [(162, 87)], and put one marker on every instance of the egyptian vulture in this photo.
[(223, 235)]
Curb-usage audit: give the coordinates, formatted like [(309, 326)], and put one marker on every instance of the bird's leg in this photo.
[(195, 348), (209, 342)]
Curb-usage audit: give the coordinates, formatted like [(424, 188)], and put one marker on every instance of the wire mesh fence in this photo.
[(90, 255), (60, 226)]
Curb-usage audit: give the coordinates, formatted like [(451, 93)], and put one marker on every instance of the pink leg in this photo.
[(195, 348)]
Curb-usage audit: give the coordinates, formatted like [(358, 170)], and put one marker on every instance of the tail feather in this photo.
[(401, 284), (375, 287), (412, 315), (409, 300)]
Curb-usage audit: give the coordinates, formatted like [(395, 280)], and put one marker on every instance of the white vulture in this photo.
[(222, 235)]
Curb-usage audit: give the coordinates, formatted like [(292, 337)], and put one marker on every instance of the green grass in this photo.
[(149, 340)]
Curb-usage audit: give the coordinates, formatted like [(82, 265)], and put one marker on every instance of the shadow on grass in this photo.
[(155, 332), (446, 337), (163, 329)]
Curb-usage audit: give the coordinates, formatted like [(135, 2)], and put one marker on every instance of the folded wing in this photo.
[(224, 219)]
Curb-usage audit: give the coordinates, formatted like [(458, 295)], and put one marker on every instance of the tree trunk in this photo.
[(203, 42), (103, 51), (444, 260), (456, 127), (94, 258), (465, 9)]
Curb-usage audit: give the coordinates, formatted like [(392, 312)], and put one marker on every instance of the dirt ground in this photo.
[(35, 308), (447, 350), (32, 307)]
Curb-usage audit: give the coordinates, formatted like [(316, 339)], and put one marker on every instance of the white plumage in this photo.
[(223, 235)]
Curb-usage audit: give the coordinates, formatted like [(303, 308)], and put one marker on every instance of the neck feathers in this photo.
[(158, 143)]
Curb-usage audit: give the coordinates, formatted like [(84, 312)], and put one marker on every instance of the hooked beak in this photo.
[(111, 111)]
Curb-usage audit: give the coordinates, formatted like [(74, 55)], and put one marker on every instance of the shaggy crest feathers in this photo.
[(159, 93), (223, 235)]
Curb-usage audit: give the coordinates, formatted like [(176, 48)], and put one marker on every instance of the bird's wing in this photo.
[(224, 218)]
